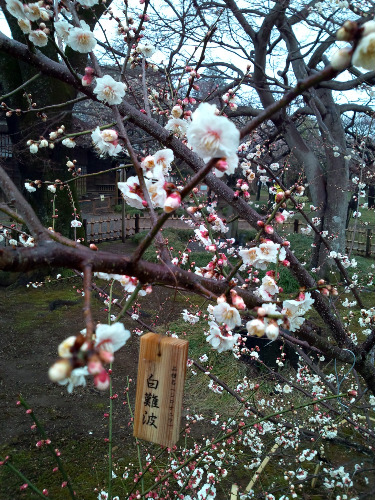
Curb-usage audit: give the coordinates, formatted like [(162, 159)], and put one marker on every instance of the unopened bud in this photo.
[(341, 59)]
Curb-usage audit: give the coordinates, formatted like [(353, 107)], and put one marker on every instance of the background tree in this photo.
[(268, 36)]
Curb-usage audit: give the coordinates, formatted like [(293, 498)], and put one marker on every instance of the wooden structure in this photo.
[(160, 385)]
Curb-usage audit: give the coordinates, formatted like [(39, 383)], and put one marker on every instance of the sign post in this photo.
[(160, 385)]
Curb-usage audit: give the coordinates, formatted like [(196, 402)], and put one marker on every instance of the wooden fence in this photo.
[(364, 239), (110, 229), (113, 228)]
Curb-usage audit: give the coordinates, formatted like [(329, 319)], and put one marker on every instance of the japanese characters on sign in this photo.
[(161, 377)]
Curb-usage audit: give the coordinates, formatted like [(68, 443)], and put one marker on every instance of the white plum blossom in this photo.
[(68, 142), (295, 309), (224, 313), (250, 256), (203, 235), (212, 136), (65, 346), (27, 241), (62, 29), (272, 331), (177, 111), (364, 54), (52, 188), (38, 38), (29, 187), (105, 142), (16, 8), (75, 223), (32, 11), (267, 252), (255, 327), (109, 91), (221, 341), (189, 318), (81, 39), (45, 14), (268, 288), (132, 192), (76, 378), (24, 25), (111, 337), (162, 161), (207, 492), (146, 49), (157, 192), (177, 126)]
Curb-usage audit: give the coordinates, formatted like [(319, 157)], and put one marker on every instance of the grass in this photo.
[(85, 460)]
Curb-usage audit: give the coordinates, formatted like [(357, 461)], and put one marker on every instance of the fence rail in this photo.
[(364, 239), (110, 229)]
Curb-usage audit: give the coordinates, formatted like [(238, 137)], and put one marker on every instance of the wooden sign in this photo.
[(160, 385)]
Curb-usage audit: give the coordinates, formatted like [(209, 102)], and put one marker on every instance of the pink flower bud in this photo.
[(279, 218), (261, 311), (172, 202), (94, 367), (221, 299), (101, 380), (222, 165), (237, 301), (285, 263), (89, 70), (106, 356), (260, 223), (87, 80)]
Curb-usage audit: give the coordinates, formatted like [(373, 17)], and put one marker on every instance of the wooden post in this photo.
[(368, 243), (160, 384), (296, 223), (84, 223), (136, 224)]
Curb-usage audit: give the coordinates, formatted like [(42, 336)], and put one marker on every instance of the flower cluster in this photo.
[(80, 357), (162, 194)]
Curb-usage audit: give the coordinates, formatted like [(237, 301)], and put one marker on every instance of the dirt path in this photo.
[(32, 324)]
